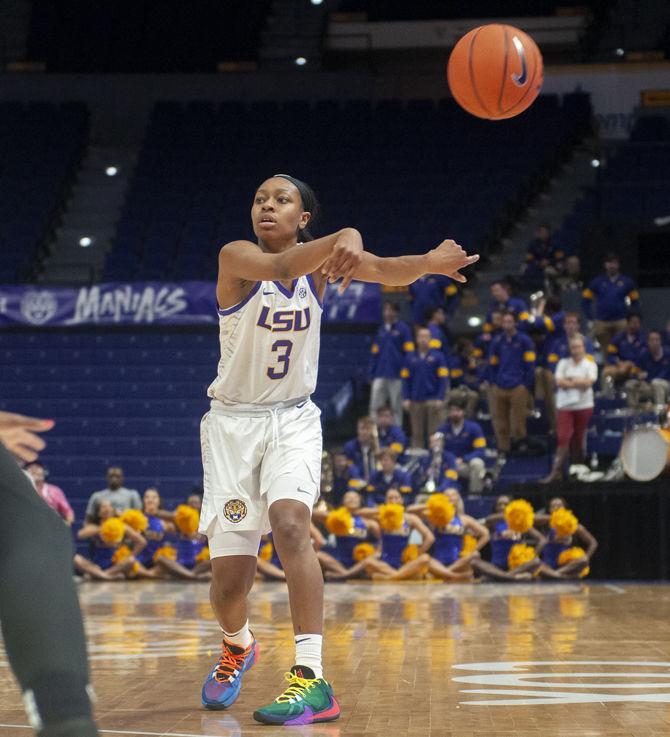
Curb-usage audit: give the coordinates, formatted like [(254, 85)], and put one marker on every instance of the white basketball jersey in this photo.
[(269, 345)]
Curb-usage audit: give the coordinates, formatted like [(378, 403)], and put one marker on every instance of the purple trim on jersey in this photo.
[(284, 290), (240, 305), (315, 291)]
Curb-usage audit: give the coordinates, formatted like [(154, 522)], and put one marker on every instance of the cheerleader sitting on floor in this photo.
[(188, 559)]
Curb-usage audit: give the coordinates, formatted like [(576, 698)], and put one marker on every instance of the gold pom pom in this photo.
[(564, 522), (121, 554), (112, 530), (469, 545), (574, 553), (265, 553), (165, 551), (411, 552), (363, 551), (186, 519), (203, 555), (135, 519), (391, 516), (520, 554), (519, 515), (440, 510), (340, 522)]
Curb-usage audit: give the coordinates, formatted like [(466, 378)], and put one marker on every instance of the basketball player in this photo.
[(261, 440), (39, 611)]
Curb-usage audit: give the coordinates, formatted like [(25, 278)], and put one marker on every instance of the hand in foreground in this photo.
[(448, 258), (17, 434), (345, 258)]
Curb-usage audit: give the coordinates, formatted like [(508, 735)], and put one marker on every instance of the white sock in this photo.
[(308, 652), (242, 638)]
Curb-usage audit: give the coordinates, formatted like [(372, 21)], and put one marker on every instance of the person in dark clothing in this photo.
[(39, 611)]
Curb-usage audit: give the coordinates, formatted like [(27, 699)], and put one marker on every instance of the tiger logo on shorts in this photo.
[(235, 510)]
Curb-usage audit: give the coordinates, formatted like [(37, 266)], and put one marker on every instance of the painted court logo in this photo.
[(235, 510), (564, 682)]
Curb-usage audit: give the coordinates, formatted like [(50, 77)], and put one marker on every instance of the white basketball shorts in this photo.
[(251, 457)]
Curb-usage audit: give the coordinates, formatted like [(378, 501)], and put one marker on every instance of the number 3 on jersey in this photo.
[(283, 349)]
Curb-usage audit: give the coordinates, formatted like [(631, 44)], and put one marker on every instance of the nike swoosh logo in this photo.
[(300, 406), (297, 642), (303, 491), (268, 292), (520, 79)]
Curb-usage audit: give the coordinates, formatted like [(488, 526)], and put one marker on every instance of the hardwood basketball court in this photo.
[(422, 660)]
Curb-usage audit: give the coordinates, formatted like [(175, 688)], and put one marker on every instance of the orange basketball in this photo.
[(495, 71)]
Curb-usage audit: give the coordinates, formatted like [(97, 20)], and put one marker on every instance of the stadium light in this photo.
[(474, 321), (85, 241), (111, 171), (316, 2), (595, 163), (301, 61), (619, 51)]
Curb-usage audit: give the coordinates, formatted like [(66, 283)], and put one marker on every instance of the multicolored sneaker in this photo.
[(307, 700), (223, 684)]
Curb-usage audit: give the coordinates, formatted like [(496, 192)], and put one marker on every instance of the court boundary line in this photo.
[(123, 731)]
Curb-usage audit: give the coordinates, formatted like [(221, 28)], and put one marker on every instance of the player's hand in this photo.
[(448, 258), (345, 258), (17, 434)]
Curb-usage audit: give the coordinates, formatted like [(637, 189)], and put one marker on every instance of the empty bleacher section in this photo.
[(134, 398), (406, 175), (141, 36), (41, 145)]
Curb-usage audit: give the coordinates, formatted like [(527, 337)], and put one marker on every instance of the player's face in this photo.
[(152, 501), (393, 496), (277, 214), (351, 500)]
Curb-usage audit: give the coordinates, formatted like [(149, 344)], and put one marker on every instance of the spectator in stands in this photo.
[(556, 347), (392, 343), (53, 495), (666, 335), (466, 440), (464, 376), (116, 493), (575, 377), (437, 324), (544, 260), (389, 476), (390, 435), (653, 380), (570, 280), (362, 449), (613, 292), (502, 301), (425, 377), (512, 372), (432, 291), (436, 471), (346, 477), (624, 353)]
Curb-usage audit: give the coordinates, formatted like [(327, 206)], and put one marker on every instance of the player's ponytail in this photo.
[(310, 204)]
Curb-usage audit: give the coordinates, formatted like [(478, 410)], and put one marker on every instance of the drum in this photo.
[(645, 452)]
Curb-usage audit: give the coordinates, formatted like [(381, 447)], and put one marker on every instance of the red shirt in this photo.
[(56, 499)]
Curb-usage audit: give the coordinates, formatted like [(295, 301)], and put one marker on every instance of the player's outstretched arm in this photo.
[(246, 260), (448, 259)]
